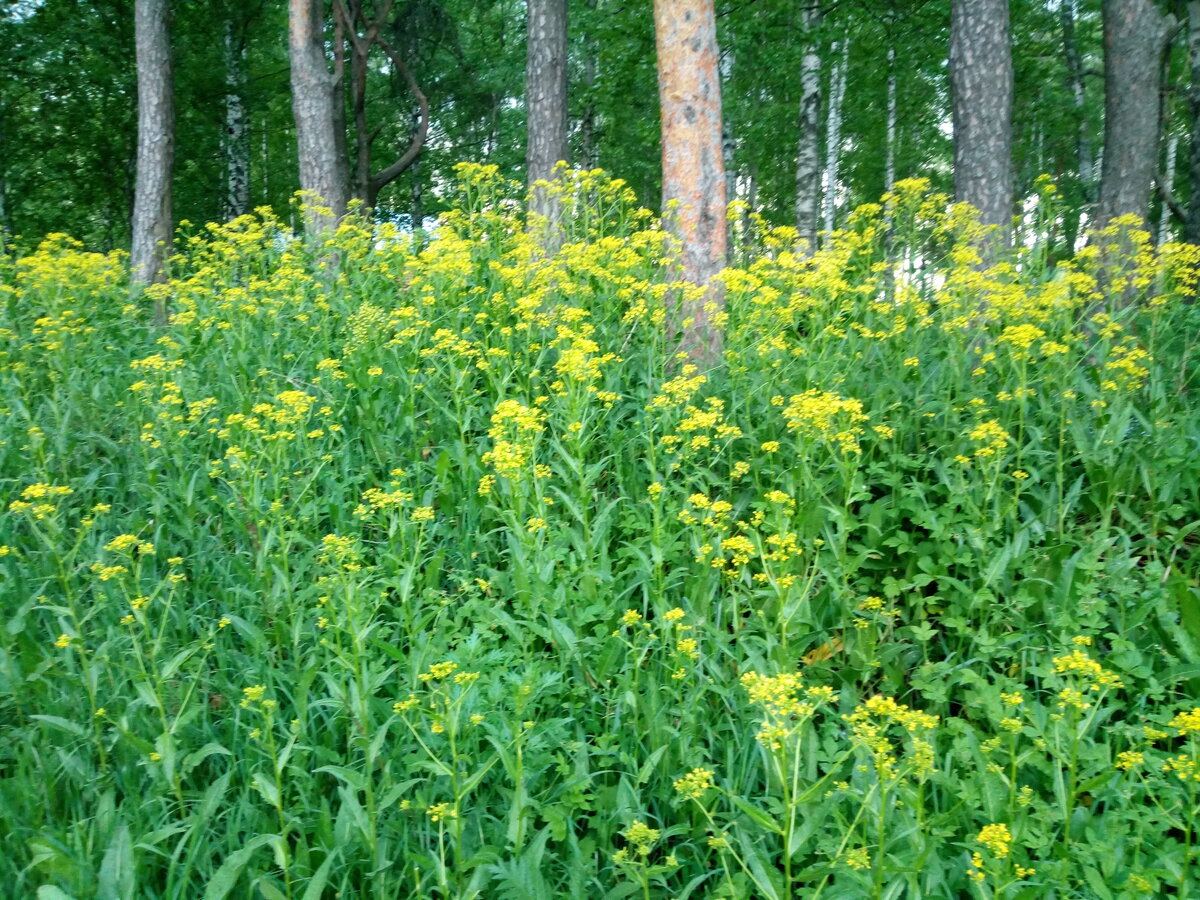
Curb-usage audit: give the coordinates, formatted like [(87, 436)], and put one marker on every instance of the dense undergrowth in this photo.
[(398, 569)]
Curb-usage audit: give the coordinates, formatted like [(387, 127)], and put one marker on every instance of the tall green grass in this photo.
[(423, 567)]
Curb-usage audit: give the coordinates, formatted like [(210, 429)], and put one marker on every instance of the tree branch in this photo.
[(391, 172)]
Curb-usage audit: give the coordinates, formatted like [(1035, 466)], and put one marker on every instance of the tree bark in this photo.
[(689, 90), (808, 150), (1135, 36), (6, 228), (315, 99), (889, 156), (156, 144), (833, 131), (236, 140), (587, 126), (1084, 155), (1191, 232), (545, 105), (1167, 191), (981, 78)]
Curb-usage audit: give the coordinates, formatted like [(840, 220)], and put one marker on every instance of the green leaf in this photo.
[(231, 870), (63, 725), (266, 787), (116, 878), (316, 884)]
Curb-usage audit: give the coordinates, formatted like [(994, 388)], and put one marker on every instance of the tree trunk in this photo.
[(156, 144), (1135, 36), (546, 105), (889, 156), (689, 90), (833, 131), (236, 142), (6, 228), (728, 150), (808, 150), (1167, 191), (587, 126), (1084, 155), (1191, 232), (315, 99), (981, 78)]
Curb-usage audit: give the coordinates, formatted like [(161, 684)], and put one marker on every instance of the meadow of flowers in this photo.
[(400, 567)]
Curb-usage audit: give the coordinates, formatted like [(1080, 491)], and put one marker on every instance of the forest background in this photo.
[(872, 75)]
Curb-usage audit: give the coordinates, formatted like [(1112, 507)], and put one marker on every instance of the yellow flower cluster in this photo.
[(997, 839), (695, 783), (1079, 663), (40, 500), (784, 710), (514, 431), (869, 725), (821, 415)]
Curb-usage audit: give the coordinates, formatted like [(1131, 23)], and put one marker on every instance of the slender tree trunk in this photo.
[(981, 77), (156, 144), (833, 131), (1135, 36), (1192, 228), (6, 227), (693, 180), (236, 142), (1084, 156), (587, 126), (808, 149), (889, 156), (1168, 180), (728, 150), (546, 106), (315, 100), (417, 198)]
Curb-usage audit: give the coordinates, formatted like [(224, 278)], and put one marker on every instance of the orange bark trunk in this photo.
[(693, 169)]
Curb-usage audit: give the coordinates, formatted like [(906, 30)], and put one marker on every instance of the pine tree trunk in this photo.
[(693, 179), (236, 143), (546, 105), (808, 149), (156, 144), (1191, 231), (315, 101), (981, 77), (833, 132), (1135, 35)]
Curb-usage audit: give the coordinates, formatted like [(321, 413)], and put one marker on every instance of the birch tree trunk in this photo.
[(315, 99), (235, 142), (808, 149), (1084, 156), (981, 77), (1168, 177), (1135, 36), (833, 133), (6, 228), (693, 179), (546, 106), (156, 144), (889, 156), (1191, 231)]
